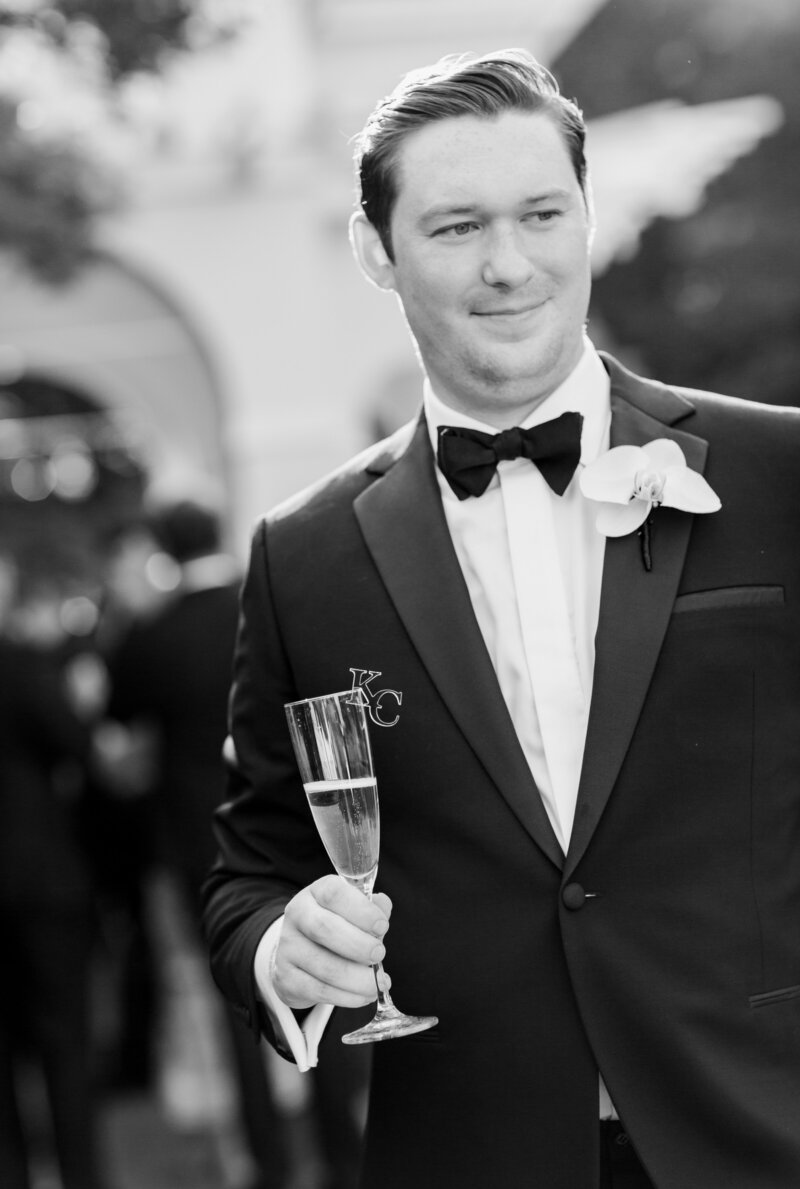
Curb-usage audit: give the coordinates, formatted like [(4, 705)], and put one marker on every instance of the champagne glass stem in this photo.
[(385, 1005)]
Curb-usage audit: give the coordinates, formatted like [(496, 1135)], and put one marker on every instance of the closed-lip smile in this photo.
[(508, 311)]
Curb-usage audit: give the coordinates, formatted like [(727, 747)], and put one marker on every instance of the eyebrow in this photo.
[(434, 213), (454, 211)]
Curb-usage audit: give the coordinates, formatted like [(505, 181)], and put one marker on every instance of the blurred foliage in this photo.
[(713, 300), (52, 190), (134, 35), (137, 33), (50, 193)]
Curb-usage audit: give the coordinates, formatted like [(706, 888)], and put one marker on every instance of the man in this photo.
[(591, 793)]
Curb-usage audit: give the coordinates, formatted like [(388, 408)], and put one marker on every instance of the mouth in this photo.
[(511, 323), (509, 312)]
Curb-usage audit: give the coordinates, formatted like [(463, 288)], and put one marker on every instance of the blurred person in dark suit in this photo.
[(46, 907), (169, 673), (170, 670), (119, 828)]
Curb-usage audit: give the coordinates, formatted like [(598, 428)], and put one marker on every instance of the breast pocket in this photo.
[(729, 598)]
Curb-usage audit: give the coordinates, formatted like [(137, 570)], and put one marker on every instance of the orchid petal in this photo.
[(610, 477), (617, 520), (663, 453), (689, 491)]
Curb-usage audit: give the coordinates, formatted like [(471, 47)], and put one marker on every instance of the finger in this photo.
[(303, 990), (327, 930), (382, 901), (339, 897), (306, 973)]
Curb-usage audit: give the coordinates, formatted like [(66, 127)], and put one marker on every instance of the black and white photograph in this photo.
[(399, 594)]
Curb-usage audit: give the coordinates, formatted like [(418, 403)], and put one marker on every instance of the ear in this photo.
[(588, 195), (370, 252)]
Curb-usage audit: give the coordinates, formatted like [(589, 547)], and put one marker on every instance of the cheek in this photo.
[(436, 285), (434, 290), (431, 304), (572, 287)]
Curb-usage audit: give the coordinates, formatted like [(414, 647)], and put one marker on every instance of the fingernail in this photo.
[(380, 927), (378, 954), (384, 982)]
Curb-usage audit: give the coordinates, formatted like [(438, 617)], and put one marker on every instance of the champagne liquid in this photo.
[(346, 816)]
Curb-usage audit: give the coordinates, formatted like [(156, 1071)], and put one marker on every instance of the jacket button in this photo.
[(573, 896)]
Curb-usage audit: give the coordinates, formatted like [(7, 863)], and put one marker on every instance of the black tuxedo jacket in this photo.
[(664, 948)]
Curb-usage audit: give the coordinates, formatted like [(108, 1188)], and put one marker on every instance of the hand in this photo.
[(331, 935)]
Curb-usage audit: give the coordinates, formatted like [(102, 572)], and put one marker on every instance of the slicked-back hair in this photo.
[(506, 80)]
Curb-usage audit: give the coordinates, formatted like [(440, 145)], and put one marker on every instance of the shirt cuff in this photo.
[(301, 1040)]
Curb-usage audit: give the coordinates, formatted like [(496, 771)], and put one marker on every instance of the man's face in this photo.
[(491, 239)]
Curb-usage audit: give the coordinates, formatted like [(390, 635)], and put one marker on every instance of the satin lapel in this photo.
[(405, 530), (635, 607)]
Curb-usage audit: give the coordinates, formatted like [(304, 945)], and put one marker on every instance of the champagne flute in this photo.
[(331, 744)]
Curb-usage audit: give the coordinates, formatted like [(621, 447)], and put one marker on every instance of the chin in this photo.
[(507, 374)]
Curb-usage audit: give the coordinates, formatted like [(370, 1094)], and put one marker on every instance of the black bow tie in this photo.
[(468, 458)]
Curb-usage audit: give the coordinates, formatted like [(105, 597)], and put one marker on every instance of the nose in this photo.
[(505, 264)]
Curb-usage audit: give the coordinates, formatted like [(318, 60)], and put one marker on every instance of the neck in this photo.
[(504, 403)]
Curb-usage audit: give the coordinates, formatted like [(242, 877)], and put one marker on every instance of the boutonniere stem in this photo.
[(629, 482), (647, 552)]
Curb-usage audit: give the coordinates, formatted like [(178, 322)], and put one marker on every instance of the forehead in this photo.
[(477, 159)]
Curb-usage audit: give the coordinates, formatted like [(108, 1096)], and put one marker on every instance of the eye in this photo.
[(456, 230), (543, 216)]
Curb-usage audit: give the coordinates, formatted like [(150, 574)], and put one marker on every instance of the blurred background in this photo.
[(180, 318)]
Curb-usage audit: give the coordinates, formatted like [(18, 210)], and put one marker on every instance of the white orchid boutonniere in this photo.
[(630, 481)]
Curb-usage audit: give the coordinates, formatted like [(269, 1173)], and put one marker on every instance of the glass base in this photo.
[(388, 1025)]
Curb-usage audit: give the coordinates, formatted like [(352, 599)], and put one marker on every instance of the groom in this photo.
[(590, 793)]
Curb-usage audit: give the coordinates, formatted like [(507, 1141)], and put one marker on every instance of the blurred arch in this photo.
[(106, 388), (117, 334)]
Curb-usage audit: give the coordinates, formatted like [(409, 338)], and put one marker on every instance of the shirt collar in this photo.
[(586, 390)]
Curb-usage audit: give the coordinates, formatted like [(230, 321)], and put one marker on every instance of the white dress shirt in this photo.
[(533, 565)]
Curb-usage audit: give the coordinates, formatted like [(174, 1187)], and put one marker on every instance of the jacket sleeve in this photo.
[(268, 847)]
